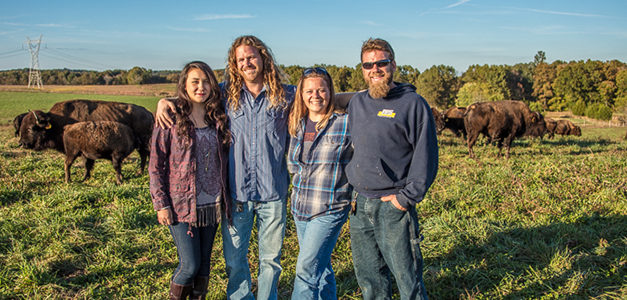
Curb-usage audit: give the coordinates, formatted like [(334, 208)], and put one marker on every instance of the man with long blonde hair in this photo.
[(257, 106)]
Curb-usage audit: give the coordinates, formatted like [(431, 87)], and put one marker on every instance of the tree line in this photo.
[(592, 88)]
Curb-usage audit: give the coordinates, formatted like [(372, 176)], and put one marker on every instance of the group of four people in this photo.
[(221, 154)]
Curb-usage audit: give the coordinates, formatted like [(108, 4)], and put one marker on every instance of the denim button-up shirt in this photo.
[(257, 167)]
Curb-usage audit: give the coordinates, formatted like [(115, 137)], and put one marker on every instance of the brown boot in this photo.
[(200, 288), (179, 292)]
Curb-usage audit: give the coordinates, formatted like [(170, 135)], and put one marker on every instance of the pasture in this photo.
[(548, 223)]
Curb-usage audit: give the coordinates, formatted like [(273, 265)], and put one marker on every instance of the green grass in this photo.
[(549, 223)]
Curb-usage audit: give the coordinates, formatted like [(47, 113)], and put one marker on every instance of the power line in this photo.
[(34, 75), (76, 59)]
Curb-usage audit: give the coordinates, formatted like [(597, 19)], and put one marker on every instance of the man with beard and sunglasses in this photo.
[(395, 161)]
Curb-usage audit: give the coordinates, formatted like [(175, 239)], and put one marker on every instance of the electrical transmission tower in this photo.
[(34, 76)]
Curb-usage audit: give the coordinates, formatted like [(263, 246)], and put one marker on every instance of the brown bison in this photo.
[(40, 130), (17, 121), (550, 127), (501, 122), (437, 117), (94, 140), (453, 119), (565, 127)]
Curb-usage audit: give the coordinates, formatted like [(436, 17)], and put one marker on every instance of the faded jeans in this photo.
[(315, 278), (236, 238), (384, 241)]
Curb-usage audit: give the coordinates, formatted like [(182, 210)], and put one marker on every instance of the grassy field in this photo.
[(548, 223)]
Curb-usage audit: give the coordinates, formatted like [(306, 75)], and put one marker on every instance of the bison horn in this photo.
[(35, 115)]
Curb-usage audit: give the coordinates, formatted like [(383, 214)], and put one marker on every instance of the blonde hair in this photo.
[(271, 74), (299, 110)]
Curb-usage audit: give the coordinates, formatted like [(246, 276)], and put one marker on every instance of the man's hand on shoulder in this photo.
[(162, 116)]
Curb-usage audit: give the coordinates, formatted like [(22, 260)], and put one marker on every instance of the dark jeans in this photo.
[(194, 251), (386, 240)]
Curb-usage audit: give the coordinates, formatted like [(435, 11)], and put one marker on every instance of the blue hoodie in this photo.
[(395, 145)]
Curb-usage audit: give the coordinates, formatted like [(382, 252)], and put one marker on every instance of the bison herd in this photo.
[(500, 122), (88, 128), (112, 130)]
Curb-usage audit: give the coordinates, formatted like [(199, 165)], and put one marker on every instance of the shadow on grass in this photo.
[(8, 197), (581, 259)]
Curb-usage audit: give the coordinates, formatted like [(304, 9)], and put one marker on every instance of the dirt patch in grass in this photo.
[(160, 90)]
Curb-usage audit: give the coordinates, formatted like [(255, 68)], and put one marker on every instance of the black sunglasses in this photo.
[(380, 63), (317, 70)]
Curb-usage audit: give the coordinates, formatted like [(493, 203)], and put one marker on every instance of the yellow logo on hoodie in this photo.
[(386, 113)]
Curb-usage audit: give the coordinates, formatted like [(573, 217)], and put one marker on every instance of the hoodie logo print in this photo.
[(386, 113)]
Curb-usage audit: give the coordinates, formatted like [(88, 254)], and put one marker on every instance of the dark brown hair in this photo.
[(214, 108)]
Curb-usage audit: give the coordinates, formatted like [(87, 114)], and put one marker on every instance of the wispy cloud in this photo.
[(371, 23), (458, 3), (52, 25), (563, 13), (222, 17), (187, 29)]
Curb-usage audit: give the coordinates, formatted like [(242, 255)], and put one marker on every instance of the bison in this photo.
[(17, 122), (565, 127), (94, 140), (437, 117), (501, 122), (550, 127), (453, 119), (40, 130)]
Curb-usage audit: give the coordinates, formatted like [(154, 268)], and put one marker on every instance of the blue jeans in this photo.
[(236, 238), (386, 240), (315, 278), (194, 252)]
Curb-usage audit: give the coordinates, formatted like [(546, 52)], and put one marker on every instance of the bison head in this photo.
[(437, 117), (34, 130), (536, 125), (576, 130)]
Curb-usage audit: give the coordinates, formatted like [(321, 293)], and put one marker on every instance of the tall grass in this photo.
[(547, 223)]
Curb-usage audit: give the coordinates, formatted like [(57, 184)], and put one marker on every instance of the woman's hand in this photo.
[(164, 216)]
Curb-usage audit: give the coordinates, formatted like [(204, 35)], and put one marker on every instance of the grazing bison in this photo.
[(93, 140), (550, 127), (501, 122), (453, 119), (17, 122), (40, 130), (565, 127), (437, 116)]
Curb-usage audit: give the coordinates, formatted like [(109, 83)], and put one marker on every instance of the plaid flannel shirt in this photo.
[(319, 183)]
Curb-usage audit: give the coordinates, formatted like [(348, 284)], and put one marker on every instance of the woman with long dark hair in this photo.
[(188, 175)]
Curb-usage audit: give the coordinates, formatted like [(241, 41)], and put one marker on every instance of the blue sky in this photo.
[(164, 35)]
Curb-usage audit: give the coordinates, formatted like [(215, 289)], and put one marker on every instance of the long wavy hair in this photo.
[(299, 110), (214, 108), (271, 74)]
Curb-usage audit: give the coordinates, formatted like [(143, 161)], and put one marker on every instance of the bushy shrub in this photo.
[(599, 111), (579, 108)]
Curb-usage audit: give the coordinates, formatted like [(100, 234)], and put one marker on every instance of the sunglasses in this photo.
[(380, 63), (316, 70)]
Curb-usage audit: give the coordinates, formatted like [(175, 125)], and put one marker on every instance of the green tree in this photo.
[(438, 85), (357, 82), (138, 75), (488, 77), (473, 92)]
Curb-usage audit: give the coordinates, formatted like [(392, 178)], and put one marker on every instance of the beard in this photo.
[(380, 89)]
